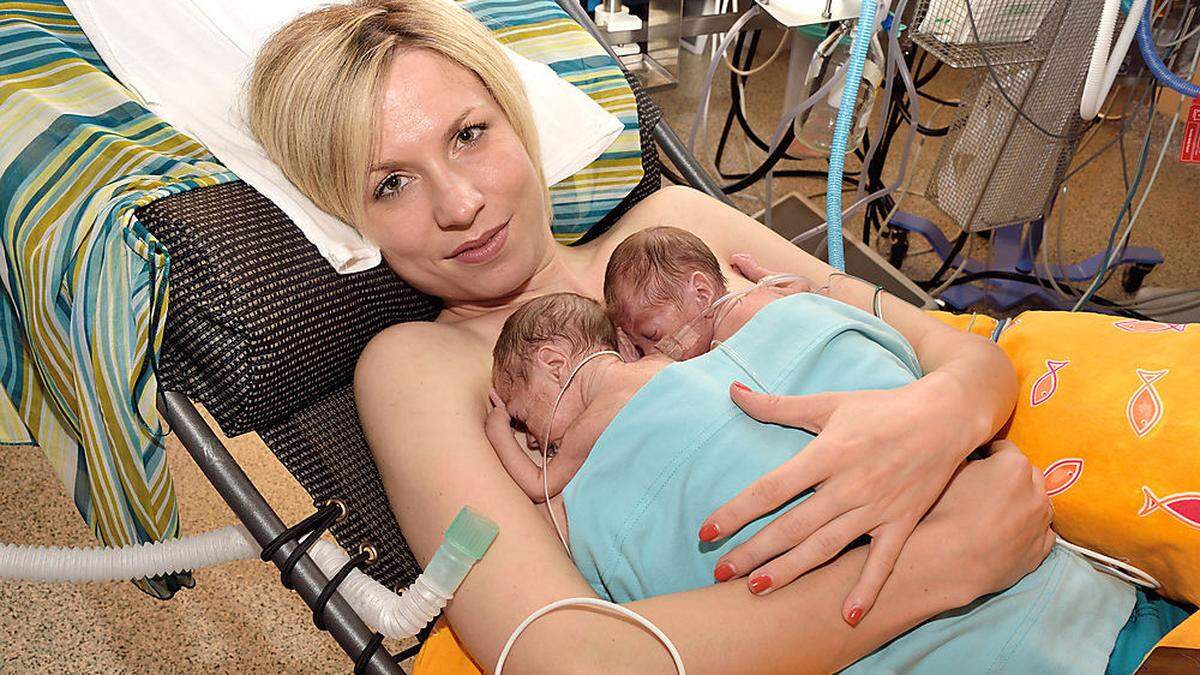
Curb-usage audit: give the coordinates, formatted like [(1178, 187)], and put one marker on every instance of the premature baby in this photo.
[(644, 450), (665, 290)]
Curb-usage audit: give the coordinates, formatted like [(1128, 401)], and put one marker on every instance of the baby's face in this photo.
[(648, 324), (530, 401)]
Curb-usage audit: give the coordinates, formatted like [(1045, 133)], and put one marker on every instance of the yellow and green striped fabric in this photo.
[(85, 284), (85, 293), (541, 31)]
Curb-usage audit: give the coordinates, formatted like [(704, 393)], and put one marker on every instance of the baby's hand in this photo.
[(498, 426), (749, 268), (625, 347)]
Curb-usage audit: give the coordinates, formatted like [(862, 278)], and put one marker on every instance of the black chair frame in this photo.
[(180, 383)]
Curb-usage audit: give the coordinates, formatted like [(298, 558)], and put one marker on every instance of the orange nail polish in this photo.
[(724, 572), (854, 615), (709, 532), (741, 386), (760, 583)]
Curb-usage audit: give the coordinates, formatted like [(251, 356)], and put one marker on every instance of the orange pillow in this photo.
[(443, 654), (1108, 408)]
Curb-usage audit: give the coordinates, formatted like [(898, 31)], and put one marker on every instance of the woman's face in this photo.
[(453, 200)]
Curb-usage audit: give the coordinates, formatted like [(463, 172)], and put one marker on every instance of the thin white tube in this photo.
[(594, 602)]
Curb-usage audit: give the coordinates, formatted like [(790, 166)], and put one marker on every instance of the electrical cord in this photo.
[(1096, 281), (1031, 279), (736, 111)]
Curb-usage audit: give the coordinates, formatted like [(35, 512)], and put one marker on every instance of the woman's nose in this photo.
[(459, 202)]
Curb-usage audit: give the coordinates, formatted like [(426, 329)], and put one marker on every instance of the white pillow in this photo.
[(189, 61)]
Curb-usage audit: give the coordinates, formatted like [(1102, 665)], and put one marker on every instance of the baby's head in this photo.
[(658, 281), (538, 349)]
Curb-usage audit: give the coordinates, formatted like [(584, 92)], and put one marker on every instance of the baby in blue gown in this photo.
[(644, 451)]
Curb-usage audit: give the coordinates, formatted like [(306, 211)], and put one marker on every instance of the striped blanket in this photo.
[(81, 316), (85, 284)]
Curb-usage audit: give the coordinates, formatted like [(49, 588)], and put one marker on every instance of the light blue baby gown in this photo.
[(680, 448)]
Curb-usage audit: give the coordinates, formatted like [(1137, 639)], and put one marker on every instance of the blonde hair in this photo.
[(577, 321), (657, 261), (313, 93)]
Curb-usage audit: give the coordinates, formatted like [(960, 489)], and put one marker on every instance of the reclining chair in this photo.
[(265, 335)]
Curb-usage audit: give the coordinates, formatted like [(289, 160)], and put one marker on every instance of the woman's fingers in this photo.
[(810, 413), (819, 548), (885, 548), (495, 399), (785, 532)]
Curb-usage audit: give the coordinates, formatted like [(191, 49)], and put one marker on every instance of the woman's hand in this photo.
[(879, 462), (1000, 519)]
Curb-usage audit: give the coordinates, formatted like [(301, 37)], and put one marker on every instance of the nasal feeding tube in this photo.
[(686, 336)]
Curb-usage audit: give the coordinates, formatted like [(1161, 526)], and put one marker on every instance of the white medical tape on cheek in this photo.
[(686, 336)]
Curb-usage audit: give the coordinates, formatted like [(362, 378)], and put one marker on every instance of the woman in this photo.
[(404, 119)]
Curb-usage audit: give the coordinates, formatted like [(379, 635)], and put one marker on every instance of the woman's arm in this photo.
[(881, 458), (421, 391)]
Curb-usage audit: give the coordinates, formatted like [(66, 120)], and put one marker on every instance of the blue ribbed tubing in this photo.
[(1153, 61), (841, 131)]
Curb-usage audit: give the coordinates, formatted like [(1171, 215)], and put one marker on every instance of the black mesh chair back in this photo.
[(263, 333)]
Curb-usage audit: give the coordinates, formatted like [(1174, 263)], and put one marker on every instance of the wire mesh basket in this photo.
[(1003, 158), (972, 33)]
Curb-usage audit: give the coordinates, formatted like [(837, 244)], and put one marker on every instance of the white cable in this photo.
[(1153, 177), (1117, 568), (1185, 37), (778, 48), (594, 602), (1161, 154), (546, 446), (1103, 67), (701, 117)]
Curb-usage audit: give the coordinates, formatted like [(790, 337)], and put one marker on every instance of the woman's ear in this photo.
[(553, 361), (702, 287)]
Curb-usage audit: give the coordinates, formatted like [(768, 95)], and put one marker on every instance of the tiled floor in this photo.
[(238, 618)]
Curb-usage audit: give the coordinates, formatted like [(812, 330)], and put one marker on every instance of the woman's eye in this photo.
[(469, 135), (391, 185)]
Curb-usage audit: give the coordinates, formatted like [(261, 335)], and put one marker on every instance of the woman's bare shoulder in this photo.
[(409, 354), (718, 224)]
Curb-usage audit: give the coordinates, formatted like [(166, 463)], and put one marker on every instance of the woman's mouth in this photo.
[(484, 248)]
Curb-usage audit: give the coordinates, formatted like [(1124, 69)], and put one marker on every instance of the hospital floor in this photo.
[(239, 619)]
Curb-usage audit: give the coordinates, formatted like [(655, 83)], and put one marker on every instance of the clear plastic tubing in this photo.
[(841, 132), (396, 616)]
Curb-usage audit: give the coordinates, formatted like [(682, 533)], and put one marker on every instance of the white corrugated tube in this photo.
[(396, 616)]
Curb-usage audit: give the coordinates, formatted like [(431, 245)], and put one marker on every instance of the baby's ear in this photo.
[(703, 287), (625, 348), (554, 360)]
